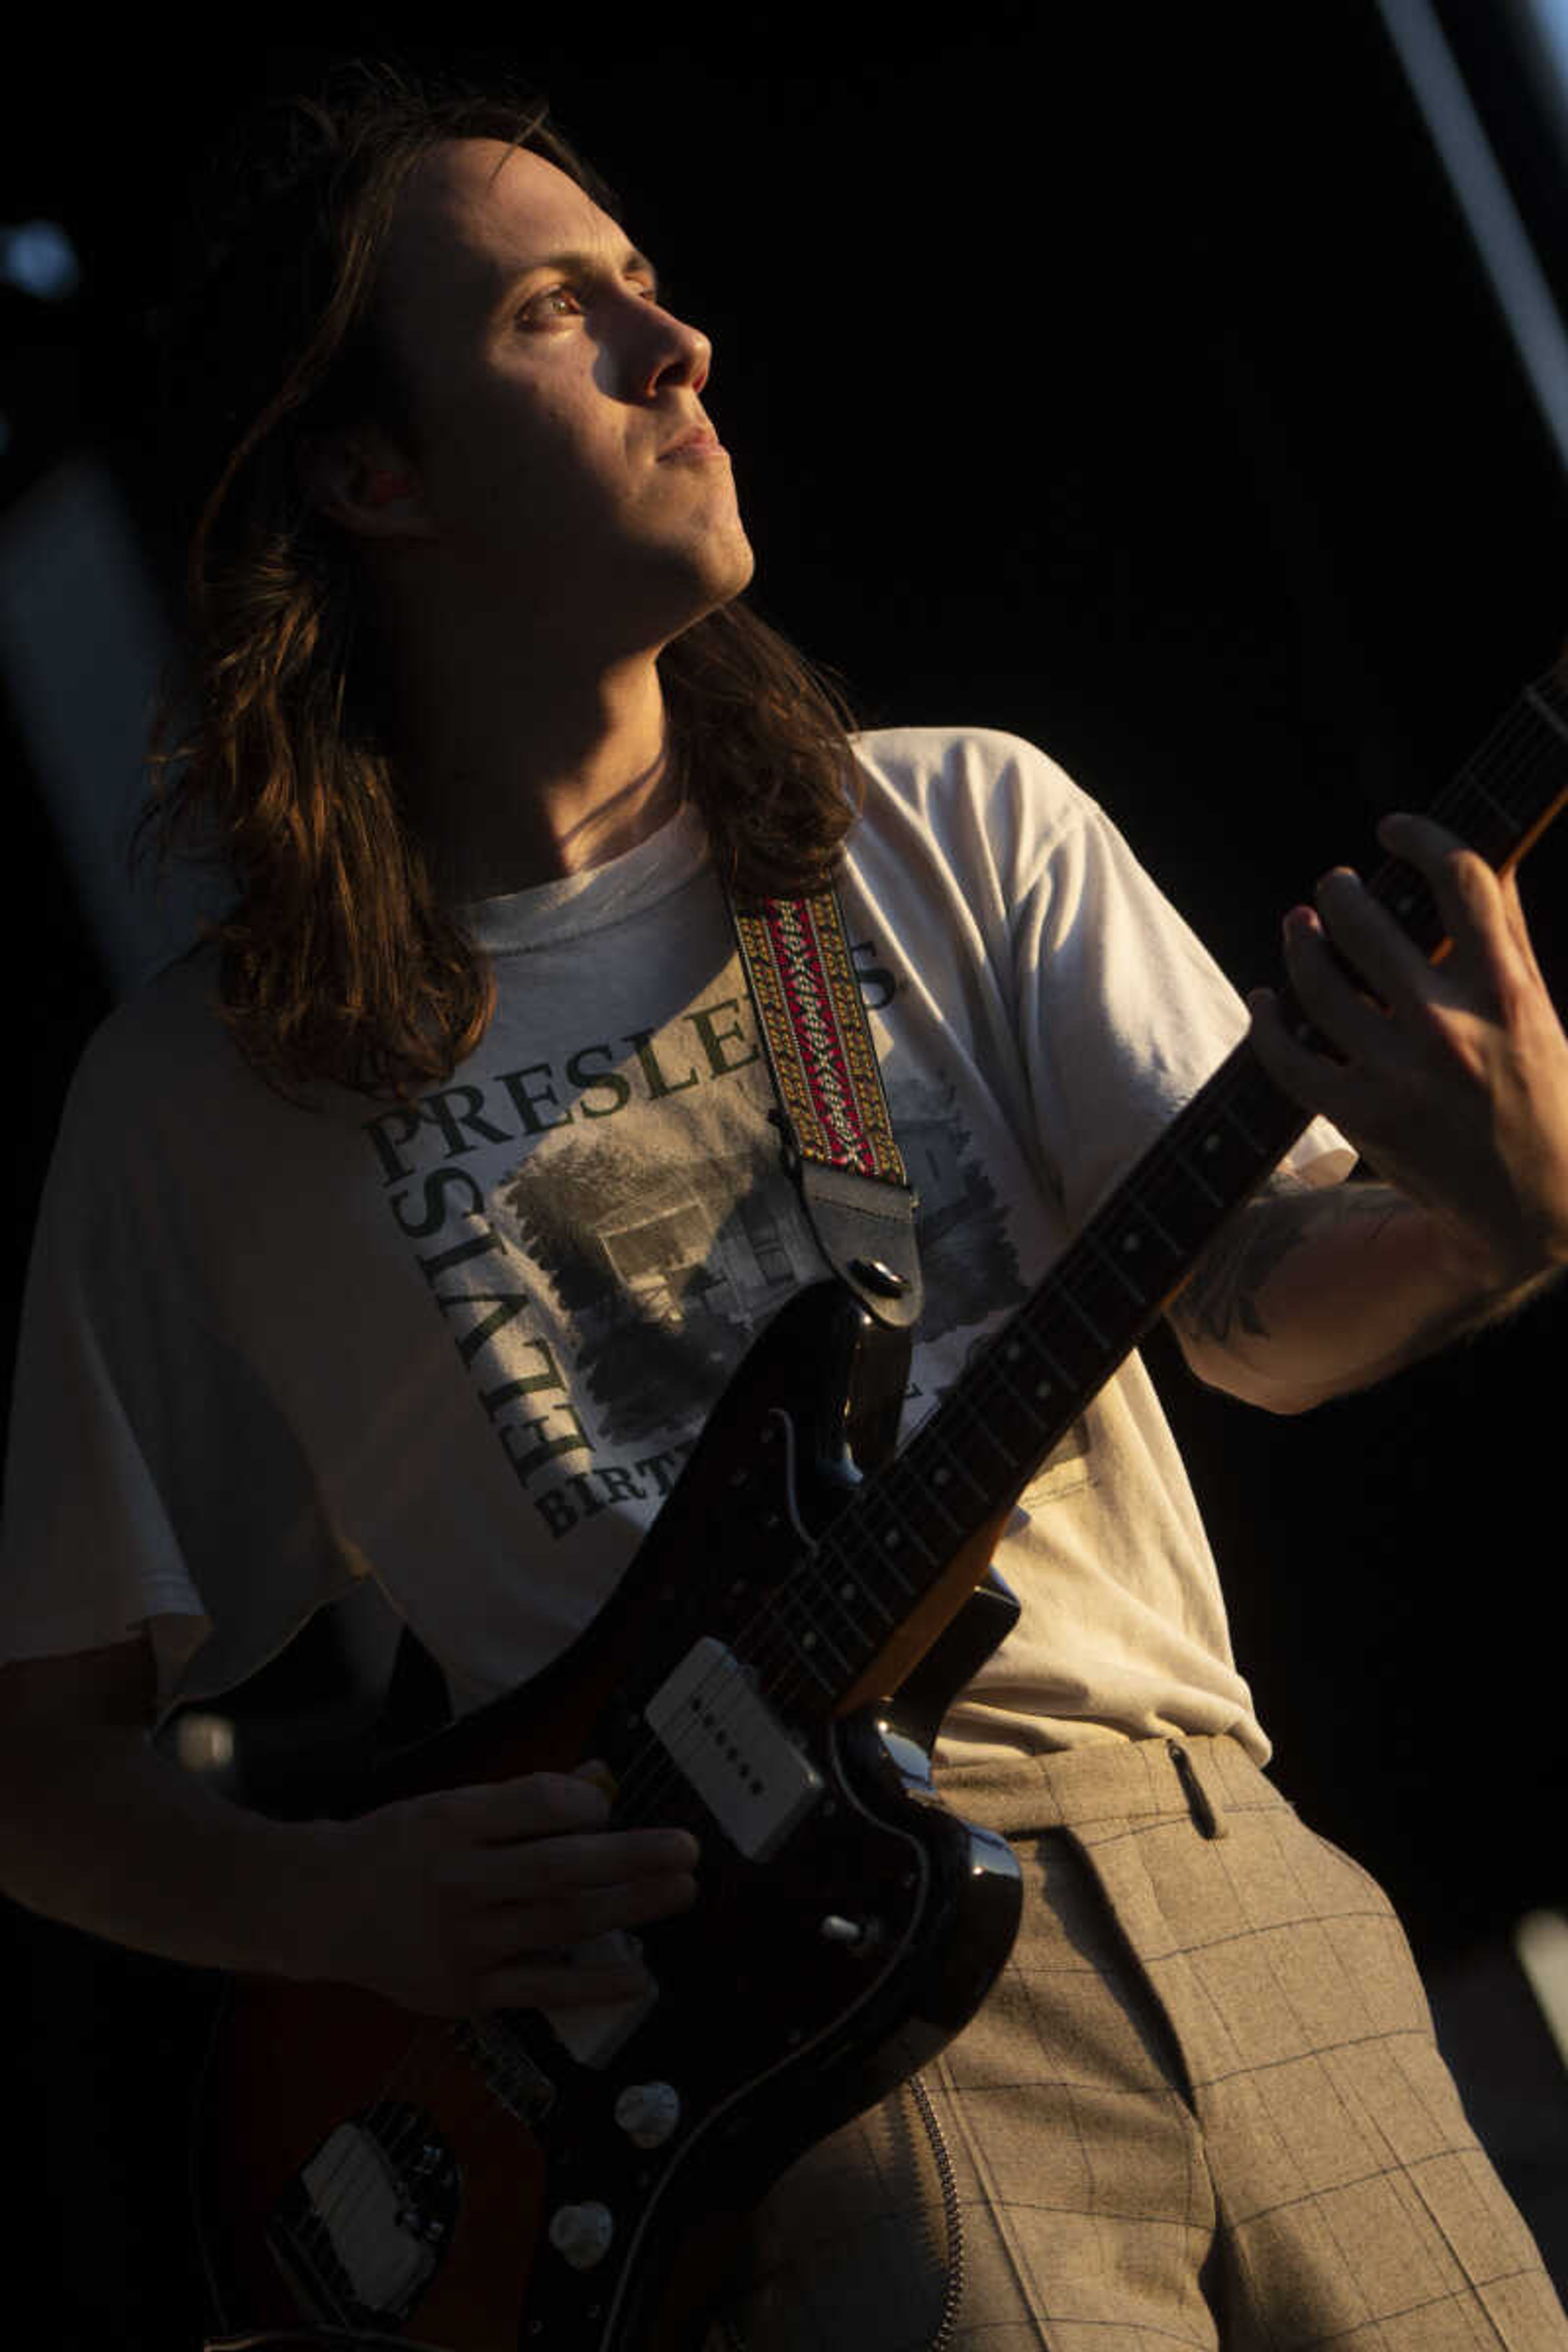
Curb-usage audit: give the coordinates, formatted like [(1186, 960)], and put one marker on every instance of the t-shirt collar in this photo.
[(594, 897)]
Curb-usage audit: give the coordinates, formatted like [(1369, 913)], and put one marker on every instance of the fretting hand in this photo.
[(1454, 1076)]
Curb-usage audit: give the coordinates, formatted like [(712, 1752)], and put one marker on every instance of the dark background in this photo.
[(1124, 377)]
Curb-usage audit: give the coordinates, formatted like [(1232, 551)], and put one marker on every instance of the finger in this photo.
[(554, 1981), (1465, 889), (1308, 1076), (561, 1922), (1519, 929), (1382, 955), (542, 1869), (538, 1804), (1334, 1004)]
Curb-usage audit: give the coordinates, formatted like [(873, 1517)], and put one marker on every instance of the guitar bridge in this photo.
[(727, 1742), (363, 2226)]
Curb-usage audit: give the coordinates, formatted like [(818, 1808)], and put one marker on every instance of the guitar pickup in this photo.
[(729, 1745)]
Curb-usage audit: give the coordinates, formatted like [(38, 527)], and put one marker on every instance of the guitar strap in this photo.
[(837, 1139)]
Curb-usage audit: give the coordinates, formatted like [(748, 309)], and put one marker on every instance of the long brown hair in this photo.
[(337, 959)]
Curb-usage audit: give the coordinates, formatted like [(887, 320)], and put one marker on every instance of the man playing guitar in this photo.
[(412, 1225)]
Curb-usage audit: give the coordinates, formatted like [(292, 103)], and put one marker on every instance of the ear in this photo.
[(358, 478)]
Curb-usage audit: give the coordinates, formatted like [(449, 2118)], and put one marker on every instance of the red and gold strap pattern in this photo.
[(818, 1040)]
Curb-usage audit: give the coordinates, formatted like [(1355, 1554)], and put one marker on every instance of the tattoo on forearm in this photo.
[(1222, 1294)]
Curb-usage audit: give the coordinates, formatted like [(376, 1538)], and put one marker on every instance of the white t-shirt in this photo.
[(464, 1345)]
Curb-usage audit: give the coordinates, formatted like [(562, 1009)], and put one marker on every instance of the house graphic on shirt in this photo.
[(669, 1269)]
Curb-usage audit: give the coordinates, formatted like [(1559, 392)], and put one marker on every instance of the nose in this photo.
[(671, 352)]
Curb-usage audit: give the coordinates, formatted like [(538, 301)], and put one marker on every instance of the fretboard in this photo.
[(981, 1447)]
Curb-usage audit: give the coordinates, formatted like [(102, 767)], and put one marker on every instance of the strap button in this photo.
[(879, 1277)]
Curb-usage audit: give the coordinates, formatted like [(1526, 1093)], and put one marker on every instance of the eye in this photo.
[(550, 294), (572, 293)]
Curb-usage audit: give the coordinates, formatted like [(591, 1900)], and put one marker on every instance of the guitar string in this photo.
[(644, 1787)]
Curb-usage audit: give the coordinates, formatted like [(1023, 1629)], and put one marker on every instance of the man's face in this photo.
[(545, 395)]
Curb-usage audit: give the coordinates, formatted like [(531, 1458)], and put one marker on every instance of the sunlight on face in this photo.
[(547, 385)]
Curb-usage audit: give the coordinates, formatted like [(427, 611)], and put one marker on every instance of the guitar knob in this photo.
[(850, 1934), (647, 2113), (581, 2234)]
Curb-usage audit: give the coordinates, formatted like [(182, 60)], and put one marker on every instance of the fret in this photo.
[(1412, 901), (1538, 699), (843, 1597), (1512, 824), (807, 1642), (1023, 1337), (1167, 1241), (834, 1596), (1045, 1389), (801, 1623), (912, 1534), (1113, 1259), (876, 1567), (1219, 1150), (855, 1590), (866, 1537), (1189, 1205), (887, 1560), (1014, 1353), (842, 1612), (941, 1477), (1071, 1299), (1022, 1357), (833, 1663), (1253, 1142), (958, 1461), (1189, 1166), (1069, 1346)]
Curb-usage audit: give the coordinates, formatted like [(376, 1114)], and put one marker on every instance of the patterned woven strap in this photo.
[(817, 1038)]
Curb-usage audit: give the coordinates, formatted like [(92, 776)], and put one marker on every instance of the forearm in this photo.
[(1312, 1295), (512, 1893), (101, 1831)]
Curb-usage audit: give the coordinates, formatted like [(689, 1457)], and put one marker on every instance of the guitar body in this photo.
[(574, 2182)]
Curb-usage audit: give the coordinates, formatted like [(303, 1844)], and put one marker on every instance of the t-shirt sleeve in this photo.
[(1123, 1012), (89, 1550)]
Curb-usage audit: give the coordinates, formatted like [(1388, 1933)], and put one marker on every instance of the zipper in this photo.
[(953, 2294)]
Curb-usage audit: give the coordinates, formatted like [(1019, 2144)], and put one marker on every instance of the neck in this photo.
[(512, 777)]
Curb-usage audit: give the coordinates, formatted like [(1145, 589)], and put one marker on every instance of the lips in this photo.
[(700, 442)]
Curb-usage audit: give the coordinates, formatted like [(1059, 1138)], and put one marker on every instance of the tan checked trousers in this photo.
[(1201, 2107)]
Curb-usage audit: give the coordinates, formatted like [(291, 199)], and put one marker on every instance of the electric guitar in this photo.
[(769, 1673)]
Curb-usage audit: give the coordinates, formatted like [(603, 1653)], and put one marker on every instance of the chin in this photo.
[(739, 569), (685, 581), (722, 570)]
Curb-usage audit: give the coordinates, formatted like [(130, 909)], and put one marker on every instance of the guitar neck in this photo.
[(975, 1452)]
